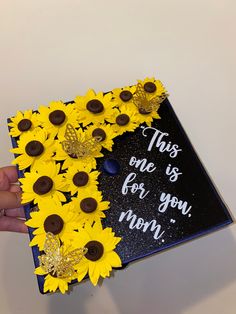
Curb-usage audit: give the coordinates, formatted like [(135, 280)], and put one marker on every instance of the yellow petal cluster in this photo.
[(56, 148)]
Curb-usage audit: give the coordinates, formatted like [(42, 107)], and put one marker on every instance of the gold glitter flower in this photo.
[(152, 87), (23, 122), (94, 108), (147, 117), (80, 178), (44, 185), (146, 105), (56, 116), (58, 262), (33, 148), (100, 257), (71, 159)]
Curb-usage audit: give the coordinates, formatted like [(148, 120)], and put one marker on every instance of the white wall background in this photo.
[(53, 50)]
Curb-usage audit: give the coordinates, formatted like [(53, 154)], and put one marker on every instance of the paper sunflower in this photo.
[(123, 96), (70, 159), (60, 221), (58, 262), (44, 185), (89, 206), (100, 257), (94, 108), (124, 119), (51, 283), (80, 178), (152, 87), (23, 122), (33, 148), (55, 117), (105, 132), (144, 117)]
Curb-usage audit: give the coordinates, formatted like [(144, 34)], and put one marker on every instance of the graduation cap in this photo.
[(158, 191)]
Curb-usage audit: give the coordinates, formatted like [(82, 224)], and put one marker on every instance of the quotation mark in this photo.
[(172, 221)]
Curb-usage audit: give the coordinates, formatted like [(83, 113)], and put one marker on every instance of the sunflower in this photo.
[(153, 87), (71, 159), (146, 117), (33, 148), (105, 132), (52, 283), (23, 122), (43, 185), (80, 177), (59, 221), (58, 262), (124, 119), (89, 206), (100, 257), (124, 96), (55, 117), (94, 108)]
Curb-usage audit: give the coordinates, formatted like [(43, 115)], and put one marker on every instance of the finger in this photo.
[(15, 212), (12, 224), (14, 188), (8, 175), (10, 199)]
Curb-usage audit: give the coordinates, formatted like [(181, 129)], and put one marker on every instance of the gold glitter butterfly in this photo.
[(140, 100), (76, 148), (58, 262)]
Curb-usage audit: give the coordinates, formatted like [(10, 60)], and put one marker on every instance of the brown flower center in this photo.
[(95, 106), (80, 178), (122, 119), (34, 148), (53, 224), (98, 132), (149, 87), (95, 250), (43, 185), (24, 125), (88, 205), (143, 111), (57, 117), (126, 95)]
